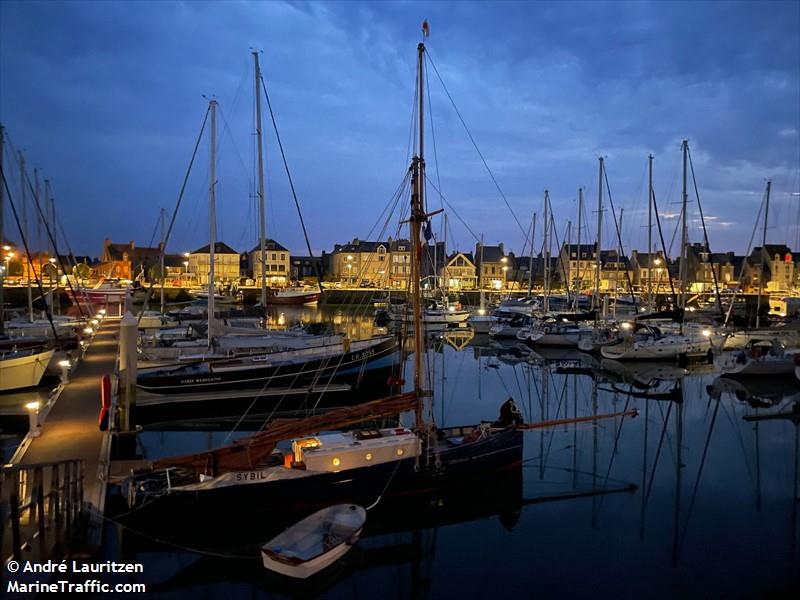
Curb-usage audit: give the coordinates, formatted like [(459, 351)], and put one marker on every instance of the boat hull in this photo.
[(287, 499), (320, 371), (19, 372)]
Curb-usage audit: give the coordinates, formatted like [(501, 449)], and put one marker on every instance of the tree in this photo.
[(82, 271)]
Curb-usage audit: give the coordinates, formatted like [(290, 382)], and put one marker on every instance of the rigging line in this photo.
[(705, 233), (291, 185), (450, 206), (81, 288), (27, 250), (475, 144), (619, 238), (180, 198), (433, 135), (747, 253), (663, 248), (52, 239), (40, 217), (155, 230)]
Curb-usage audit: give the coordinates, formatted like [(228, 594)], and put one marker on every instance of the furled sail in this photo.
[(249, 452)]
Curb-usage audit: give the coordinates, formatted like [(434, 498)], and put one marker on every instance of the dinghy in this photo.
[(316, 542)]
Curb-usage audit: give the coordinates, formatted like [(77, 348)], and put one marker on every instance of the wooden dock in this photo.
[(71, 429), (52, 495)]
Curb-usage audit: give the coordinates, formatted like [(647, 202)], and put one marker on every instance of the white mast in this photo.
[(262, 219), (684, 271), (763, 256), (578, 253), (546, 252), (597, 261), (530, 262), (212, 218), (163, 250), (650, 230)]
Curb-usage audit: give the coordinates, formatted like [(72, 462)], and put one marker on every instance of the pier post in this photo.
[(128, 332)]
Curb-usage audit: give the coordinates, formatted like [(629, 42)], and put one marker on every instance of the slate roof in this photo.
[(219, 248)]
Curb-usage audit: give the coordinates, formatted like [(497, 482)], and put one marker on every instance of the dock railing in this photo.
[(40, 505)]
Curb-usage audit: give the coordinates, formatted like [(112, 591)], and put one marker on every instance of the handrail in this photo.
[(44, 500)]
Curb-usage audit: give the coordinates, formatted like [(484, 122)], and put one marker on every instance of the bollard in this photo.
[(34, 427), (128, 334), (65, 365)]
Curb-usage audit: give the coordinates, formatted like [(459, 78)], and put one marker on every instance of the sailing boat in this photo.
[(257, 362), (688, 343), (321, 469), (19, 368)]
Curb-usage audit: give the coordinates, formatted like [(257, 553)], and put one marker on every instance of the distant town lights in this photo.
[(88, 330)]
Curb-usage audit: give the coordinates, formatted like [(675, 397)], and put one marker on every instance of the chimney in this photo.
[(500, 245)]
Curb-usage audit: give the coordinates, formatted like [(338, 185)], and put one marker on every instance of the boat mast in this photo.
[(546, 252), (2, 192), (578, 253), (22, 179), (763, 256), (415, 222), (597, 263), (262, 219), (212, 217), (684, 255), (530, 262), (650, 230), (163, 250), (569, 253)]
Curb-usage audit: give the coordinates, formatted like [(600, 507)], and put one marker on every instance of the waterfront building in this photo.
[(306, 268), (277, 262), (492, 265), (127, 260), (459, 272), (400, 263), (226, 264), (361, 262)]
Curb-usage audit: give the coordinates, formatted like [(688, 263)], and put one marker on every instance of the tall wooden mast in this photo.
[(262, 220), (417, 216)]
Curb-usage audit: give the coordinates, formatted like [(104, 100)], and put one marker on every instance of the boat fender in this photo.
[(346, 344), (105, 402)]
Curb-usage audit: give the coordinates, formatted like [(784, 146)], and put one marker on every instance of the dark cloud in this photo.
[(107, 99)]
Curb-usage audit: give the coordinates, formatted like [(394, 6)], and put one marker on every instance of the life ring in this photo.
[(546, 329)]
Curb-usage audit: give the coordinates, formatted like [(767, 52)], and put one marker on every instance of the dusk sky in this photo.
[(107, 99)]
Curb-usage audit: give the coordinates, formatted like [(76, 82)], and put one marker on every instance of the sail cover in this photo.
[(250, 451)]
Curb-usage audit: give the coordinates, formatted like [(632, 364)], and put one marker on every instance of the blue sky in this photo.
[(106, 99)]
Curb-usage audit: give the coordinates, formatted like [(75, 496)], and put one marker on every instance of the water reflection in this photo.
[(699, 492)]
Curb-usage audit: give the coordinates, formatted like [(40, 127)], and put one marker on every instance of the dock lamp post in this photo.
[(34, 427), (65, 365)]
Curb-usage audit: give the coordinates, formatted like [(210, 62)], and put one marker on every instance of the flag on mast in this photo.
[(426, 30)]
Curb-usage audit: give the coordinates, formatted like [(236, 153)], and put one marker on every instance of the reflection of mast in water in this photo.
[(644, 465), (575, 432), (678, 474), (594, 453), (758, 467), (544, 399)]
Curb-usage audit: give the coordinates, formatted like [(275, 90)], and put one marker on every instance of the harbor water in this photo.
[(696, 496)]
